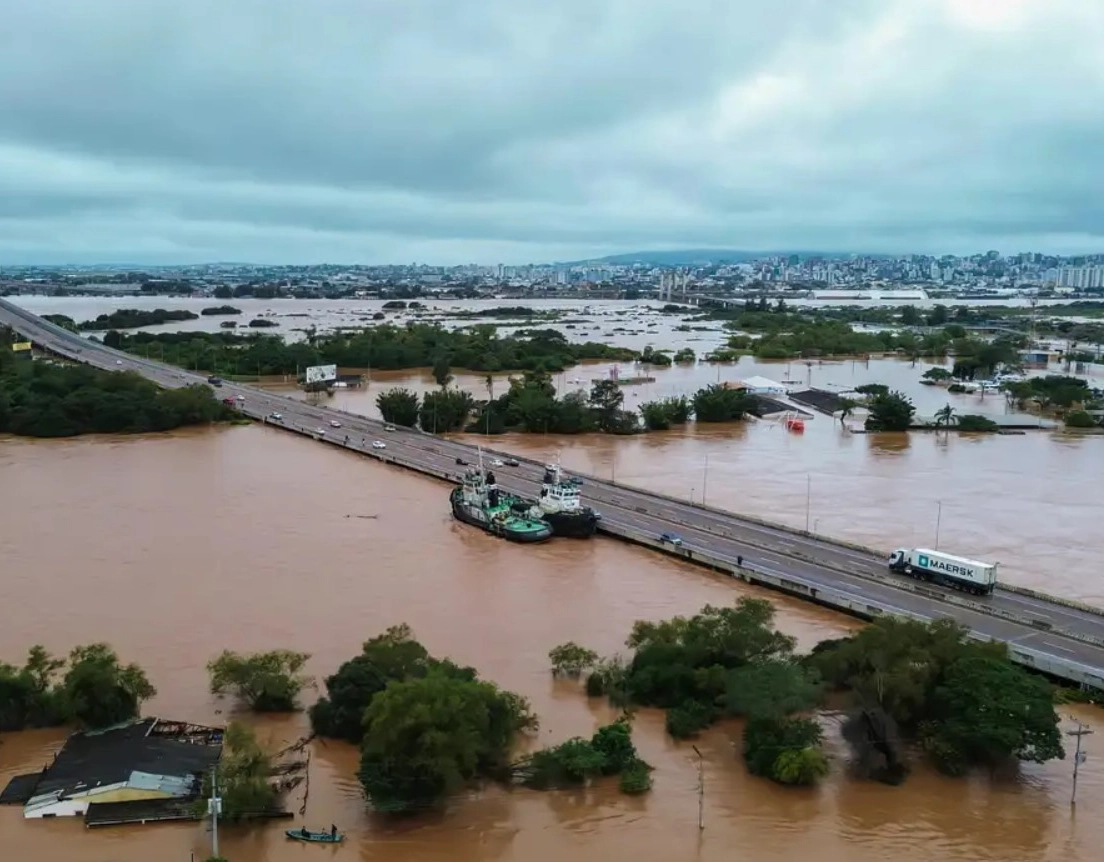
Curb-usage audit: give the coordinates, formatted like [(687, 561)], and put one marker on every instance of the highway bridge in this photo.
[(1060, 637)]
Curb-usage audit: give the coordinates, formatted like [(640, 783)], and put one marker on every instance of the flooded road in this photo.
[(175, 547)]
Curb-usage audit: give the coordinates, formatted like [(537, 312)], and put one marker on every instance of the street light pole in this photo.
[(808, 498), (705, 478), (938, 521)]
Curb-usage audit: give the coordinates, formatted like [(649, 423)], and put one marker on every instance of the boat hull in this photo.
[(526, 537), (580, 525), (314, 837)]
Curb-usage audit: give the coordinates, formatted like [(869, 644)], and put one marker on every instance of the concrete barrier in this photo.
[(1058, 600)]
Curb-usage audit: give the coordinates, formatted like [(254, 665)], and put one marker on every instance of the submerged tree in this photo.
[(98, 691), (398, 406), (426, 738), (945, 417), (244, 776), (964, 700), (610, 751), (786, 750), (569, 659), (27, 696), (393, 656), (986, 710), (265, 682), (890, 411)]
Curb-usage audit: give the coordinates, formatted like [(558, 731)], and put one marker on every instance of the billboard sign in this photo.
[(21, 346), (321, 374)]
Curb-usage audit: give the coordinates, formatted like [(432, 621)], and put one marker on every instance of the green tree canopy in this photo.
[(399, 406), (570, 659), (890, 412), (266, 682), (771, 688), (986, 710), (27, 696), (426, 738), (784, 749), (718, 403), (393, 656), (244, 776), (610, 751), (98, 691), (965, 700), (42, 399)]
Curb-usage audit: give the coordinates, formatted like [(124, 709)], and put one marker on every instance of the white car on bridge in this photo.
[(378, 444)]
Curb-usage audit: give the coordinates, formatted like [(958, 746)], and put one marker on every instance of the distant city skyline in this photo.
[(515, 131)]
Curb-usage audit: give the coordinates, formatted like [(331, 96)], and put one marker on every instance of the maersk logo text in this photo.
[(927, 562)]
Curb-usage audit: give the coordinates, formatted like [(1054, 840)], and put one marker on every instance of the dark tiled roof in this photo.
[(20, 789), (93, 759)]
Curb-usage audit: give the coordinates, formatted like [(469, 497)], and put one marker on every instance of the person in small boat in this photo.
[(333, 832), (306, 832)]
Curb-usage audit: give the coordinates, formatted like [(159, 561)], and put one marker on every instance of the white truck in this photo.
[(960, 573)]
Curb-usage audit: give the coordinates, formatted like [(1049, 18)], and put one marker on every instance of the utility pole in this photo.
[(701, 789), (1078, 757), (214, 804), (938, 521), (808, 498), (705, 477)]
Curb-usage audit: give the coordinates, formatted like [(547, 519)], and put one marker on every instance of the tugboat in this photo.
[(479, 502), (561, 506)]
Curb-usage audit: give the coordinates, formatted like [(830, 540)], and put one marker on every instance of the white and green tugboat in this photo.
[(479, 502), (561, 505)]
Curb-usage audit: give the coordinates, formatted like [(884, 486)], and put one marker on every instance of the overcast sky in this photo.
[(454, 131)]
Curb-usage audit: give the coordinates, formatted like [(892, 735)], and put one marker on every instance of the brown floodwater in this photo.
[(177, 546), (1030, 501)]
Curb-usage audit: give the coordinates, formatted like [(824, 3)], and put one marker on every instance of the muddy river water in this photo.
[(177, 546)]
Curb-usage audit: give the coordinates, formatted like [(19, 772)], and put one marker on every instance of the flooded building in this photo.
[(141, 764)]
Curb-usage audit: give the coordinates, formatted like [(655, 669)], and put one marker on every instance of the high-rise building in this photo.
[(1081, 277)]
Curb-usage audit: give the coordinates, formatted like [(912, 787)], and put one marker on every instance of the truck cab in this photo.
[(898, 560)]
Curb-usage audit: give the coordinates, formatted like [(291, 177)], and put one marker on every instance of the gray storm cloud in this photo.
[(513, 130)]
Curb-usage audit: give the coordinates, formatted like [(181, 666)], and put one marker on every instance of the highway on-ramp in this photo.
[(1065, 632)]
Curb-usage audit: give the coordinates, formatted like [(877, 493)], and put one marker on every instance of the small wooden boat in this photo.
[(315, 837)]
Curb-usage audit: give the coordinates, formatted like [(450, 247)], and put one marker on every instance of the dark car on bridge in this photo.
[(671, 539), (215, 381)]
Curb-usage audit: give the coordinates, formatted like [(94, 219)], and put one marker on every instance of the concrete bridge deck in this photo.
[(1062, 637)]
